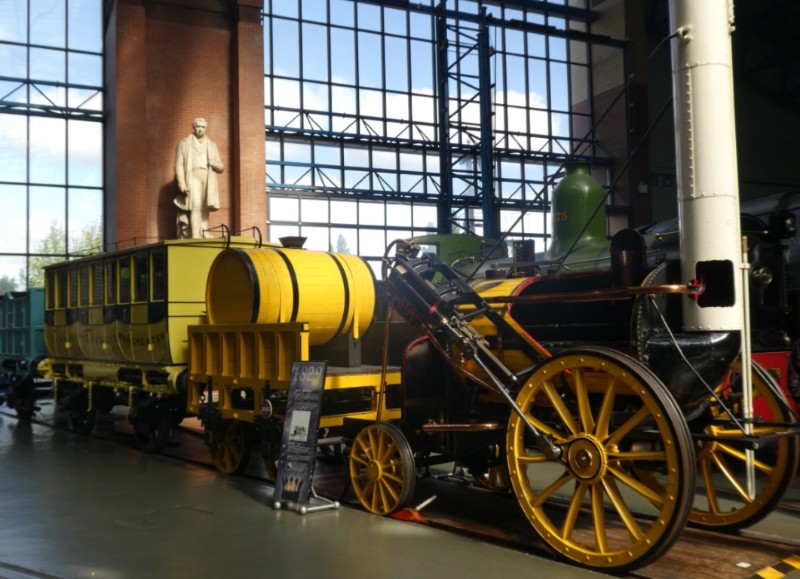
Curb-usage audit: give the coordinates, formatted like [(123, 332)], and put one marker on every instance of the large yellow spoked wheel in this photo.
[(609, 415), (727, 504), (382, 469), (232, 454)]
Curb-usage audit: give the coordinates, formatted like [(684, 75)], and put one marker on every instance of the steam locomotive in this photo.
[(527, 378), (424, 368)]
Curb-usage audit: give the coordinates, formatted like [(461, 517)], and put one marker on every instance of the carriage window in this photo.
[(84, 284), (61, 288), (142, 274), (124, 280), (97, 284), (73, 287), (111, 282), (159, 275), (50, 284)]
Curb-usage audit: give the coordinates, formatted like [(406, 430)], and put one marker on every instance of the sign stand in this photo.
[(293, 486)]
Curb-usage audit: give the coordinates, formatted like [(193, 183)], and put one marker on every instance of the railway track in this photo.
[(462, 507)]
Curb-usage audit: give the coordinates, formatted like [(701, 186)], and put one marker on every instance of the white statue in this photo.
[(197, 161)]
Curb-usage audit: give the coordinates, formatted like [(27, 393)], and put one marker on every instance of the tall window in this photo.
[(51, 138), (355, 100)]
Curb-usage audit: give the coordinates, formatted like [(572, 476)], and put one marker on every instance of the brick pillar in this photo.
[(167, 64), (249, 205)]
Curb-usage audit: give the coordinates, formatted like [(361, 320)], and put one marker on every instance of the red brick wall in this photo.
[(170, 65), (249, 166)]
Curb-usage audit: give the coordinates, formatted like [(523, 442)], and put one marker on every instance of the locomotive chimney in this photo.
[(707, 176)]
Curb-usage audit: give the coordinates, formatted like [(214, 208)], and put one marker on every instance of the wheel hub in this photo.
[(586, 459), (374, 470)]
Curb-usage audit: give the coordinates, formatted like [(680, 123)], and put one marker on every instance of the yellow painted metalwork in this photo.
[(333, 293), (240, 359), (104, 314)]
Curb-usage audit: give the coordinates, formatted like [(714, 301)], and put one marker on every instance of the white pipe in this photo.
[(747, 375), (707, 176)]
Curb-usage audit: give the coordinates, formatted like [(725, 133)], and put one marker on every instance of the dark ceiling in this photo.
[(766, 46)]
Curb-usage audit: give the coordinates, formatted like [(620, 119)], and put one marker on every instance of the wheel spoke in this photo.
[(707, 473), (649, 455), (599, 518), (604, 415), (388, 451), (551, 489), (575, 505), (740, 455), (532, 459), (558, 404), (624, 513), (652, 495), (389, 489), (629, 425), (545, 428), (582, 395), (394, 478), (728, 474), (372, 449)]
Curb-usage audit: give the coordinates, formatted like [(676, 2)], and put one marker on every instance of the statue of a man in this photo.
[(197, 161)]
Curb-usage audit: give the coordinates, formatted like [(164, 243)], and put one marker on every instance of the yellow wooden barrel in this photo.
[(333, 292)]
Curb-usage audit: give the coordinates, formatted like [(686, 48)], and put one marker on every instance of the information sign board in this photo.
[(300, 426)]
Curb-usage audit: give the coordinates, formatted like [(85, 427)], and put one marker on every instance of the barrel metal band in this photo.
[(346, 287), (295, 288), (254, 283)]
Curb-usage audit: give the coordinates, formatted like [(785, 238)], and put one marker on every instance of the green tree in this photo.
[(52, 249), (7, 284), (341, 244)]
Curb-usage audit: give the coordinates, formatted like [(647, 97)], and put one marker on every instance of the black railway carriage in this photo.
[(116, 327)]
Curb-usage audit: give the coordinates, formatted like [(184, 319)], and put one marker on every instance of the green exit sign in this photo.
[(662, 180)]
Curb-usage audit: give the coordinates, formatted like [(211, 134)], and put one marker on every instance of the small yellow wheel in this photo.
[(610, 416), (727, 504), (382, 469), (232, 455)]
